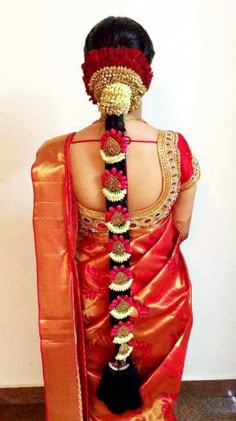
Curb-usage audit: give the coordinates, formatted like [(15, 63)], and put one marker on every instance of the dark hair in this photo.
[(119, 32)]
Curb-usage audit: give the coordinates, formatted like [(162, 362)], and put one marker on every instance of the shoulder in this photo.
[(180, 154), (175, 137), (92, 131), (49, 155), (52, 143), (183, 144), (190, 171), (51, 148), (178, 140)]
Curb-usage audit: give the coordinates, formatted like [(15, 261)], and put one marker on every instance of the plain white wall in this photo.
[(194, 92)]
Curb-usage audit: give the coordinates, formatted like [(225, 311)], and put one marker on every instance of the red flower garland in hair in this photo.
[(130, 58)]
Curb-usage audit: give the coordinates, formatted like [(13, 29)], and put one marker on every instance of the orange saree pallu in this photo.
[(72, 279)]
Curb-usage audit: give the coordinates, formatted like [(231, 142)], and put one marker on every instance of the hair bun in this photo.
[(115, 99), (122, 72)]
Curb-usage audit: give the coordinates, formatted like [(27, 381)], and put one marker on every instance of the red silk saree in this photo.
[(72, 259)]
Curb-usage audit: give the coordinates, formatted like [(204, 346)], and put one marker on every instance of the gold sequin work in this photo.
[(195, 177)]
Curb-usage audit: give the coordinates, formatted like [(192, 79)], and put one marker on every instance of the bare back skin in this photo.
[(143, 166)]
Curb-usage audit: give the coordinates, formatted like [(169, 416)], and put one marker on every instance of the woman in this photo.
[(113, 202)]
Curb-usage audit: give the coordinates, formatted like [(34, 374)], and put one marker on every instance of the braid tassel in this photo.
[(120, 382)]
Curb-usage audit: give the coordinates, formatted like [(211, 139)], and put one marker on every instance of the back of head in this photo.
[(119, 32), (117, 69)]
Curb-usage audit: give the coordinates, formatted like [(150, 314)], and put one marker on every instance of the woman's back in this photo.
[(143, 166)]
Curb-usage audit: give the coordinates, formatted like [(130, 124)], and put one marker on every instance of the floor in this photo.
[(206, 409), (187, 409)]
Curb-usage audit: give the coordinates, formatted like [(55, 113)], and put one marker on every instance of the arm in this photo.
[(182, 211), (189, 176)]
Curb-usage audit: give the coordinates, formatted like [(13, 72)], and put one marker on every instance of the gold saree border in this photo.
[(72, 217), (64, 370)]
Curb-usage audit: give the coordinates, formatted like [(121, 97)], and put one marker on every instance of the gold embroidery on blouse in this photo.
[(195, 177), (178, 159), (169, 158)]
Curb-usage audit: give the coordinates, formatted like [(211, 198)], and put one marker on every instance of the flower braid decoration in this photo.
[(119, 386), (114, 180), (116, 79)]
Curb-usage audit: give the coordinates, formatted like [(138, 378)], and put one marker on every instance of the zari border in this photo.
[(171, 172), (195, 177), (72, 227), (166, 179), (63, 300)]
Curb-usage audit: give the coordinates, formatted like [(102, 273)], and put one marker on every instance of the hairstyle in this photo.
[(119, 32), (113, 37)]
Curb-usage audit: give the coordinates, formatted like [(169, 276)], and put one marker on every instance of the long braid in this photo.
[(119, 386), (116, 79)]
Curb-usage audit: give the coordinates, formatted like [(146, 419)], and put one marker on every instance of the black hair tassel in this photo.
[(119, 388)]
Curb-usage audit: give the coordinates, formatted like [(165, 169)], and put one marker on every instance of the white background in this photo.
[(194, 92)]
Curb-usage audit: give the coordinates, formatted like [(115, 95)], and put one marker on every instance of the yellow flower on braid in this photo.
[(115, 99)]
